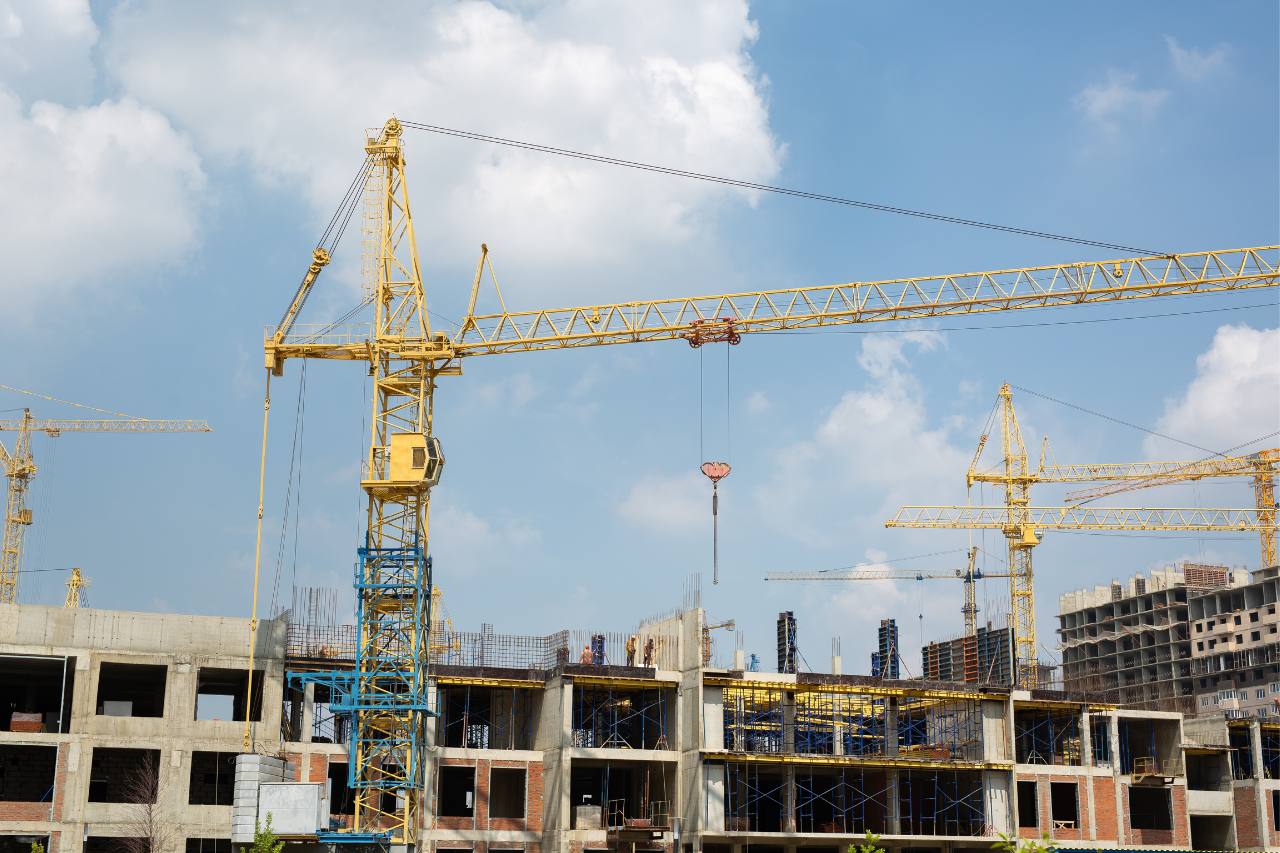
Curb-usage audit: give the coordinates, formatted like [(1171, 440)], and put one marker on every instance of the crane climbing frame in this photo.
[(406, 357)]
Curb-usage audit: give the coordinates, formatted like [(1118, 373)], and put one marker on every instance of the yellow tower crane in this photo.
[(966, 576), (1022, 524), (406, 358), (20, 467), (75, 586), (1259, 467)]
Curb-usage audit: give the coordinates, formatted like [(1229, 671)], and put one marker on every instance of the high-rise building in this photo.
[(981, 659), (889, 648), (787, 653)]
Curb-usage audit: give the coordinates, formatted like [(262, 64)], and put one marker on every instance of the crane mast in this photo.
[(387, 692)]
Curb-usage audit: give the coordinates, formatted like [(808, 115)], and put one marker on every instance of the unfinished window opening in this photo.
[(213, 778), (506, 792), (27, 773), (131, 689), (341, 800), (1100, 738), (840, 801), (1047, 736), (1064, 805), (1150, 747), (486, 717), (1241, 752), (634, 795), (628, 719), (35, 693), (120, 775), (208, 845), (1149, 808), (221, 694), (1211, 832), (457, 791), (1208, 771), (1028, 813), (22, 843), (112, 844)]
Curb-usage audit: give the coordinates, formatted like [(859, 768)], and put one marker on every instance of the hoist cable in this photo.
[(753, 185)]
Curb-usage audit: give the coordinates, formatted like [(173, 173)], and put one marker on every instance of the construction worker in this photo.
[(633, 643), (648, 652), (586, 654)]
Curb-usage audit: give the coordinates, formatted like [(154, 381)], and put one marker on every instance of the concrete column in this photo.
[(789, 723), (308, 715), (1261, 800), (1113, 731), (1086, 760), (789, 798), (891, 727), (893, 814)]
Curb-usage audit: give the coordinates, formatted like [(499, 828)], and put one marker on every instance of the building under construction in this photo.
[(122, 729)]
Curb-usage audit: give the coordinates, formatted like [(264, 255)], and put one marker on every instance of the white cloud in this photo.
[(669, 503), (1193, 64), (93, 193), (878, 446), (1118, 100), (515, 391), (1234, 397), (44, 48), (470, 544), (650, 81), (758, 403)]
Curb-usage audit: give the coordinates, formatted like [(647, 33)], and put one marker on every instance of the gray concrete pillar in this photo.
[(789, 799), (893, 811), (307, 722)]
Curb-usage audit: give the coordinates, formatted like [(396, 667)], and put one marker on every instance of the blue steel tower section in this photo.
[(387, 686)]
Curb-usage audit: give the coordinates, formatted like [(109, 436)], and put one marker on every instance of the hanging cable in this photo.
[(752, 185)]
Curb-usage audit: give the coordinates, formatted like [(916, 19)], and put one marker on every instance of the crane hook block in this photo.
[(715, 471)]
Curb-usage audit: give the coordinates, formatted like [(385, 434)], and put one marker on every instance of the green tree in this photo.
[(870, 845), (264, 839), (37, 847), (1009, 844)]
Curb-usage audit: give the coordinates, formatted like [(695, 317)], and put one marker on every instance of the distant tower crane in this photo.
[(406, 358), (74, 587), (1022, 523), (967, 576), (20, 468)]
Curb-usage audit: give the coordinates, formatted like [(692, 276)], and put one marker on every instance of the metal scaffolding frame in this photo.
[(772, 720), (852, 800), (1270, 752), (1047, 736), (845, 800), (754, 719), (939, 729), (951, 802), (620, 717), (484, 717)]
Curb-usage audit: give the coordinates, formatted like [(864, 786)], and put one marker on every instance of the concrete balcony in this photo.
[(1209, 802)]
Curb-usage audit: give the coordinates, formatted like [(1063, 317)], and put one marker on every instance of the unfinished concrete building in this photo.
[(1235, 652), (122, 727), (1131, 644), (119, 731)]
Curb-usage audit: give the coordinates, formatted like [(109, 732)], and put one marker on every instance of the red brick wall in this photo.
[(1104, 808), (319, 768), (1179, 835), (1044, 808), (1247, 834), (532, 821)]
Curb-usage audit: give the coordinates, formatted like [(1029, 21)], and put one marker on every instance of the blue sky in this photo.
[(169, 168)]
